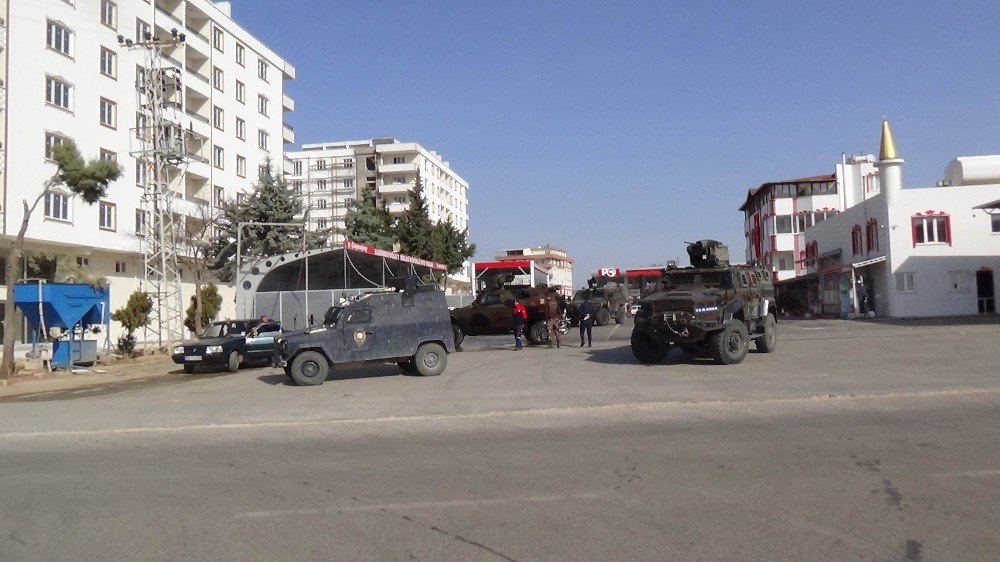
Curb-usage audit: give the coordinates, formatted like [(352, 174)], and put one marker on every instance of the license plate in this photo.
[(192, 357), (668, 316)]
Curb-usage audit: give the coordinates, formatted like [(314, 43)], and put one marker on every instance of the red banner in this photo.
[(389, 254)]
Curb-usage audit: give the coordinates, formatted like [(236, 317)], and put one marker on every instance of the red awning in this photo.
[(642, 272), (513, 264)]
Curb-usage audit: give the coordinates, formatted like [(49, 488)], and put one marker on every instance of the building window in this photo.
[(348, 162), (399, 179), (140, 173), (933, 227), (297, 167), (57, 206), (321, 164), (109, 63), (142, 31), (218, 118), (58, 93), (959, 281), (109, 113), (995, 223), (262, 105), (241, 166), (218, 157), (349, 183), (297, 186), (108, 155), (802, 221), (321, 224), (856, 243), (59, 38), (871, 236), (109, 14), (140, 223), (241, 92), (240, 198), (905, 282), (220, 195), (106, 216), (321, 203), (241, 54), (783, 224), (120, 267), (218, 79), (262, 139), (217, 39), (321, 185), (51, 141), (241, 129), (262, 69), (399, 160), (82, 261)]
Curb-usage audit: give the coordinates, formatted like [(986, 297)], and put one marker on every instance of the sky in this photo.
[(618, 131)]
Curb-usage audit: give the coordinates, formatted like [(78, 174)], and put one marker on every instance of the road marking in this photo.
[(612, 332), (968, 473), (414, 506)]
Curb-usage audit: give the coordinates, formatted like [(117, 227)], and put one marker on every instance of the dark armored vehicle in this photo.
[(711, 307), (609, 299), (410, 327), (490, 314), (228, 343)]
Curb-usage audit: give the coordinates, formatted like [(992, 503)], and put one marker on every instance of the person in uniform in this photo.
[(587, 312), (553, 315)]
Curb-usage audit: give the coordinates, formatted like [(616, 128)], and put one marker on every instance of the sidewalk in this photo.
[(123, 369)]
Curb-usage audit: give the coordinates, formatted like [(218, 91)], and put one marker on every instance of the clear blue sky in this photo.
[(617, 131)]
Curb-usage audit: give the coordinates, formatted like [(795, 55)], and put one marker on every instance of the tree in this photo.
[(89, 180), (200, 257), (414, 228), (204, 306), (451, 247), (271, 201), (132, 316), (368, 222)]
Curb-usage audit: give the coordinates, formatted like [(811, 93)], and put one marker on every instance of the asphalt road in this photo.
[(852, 441)]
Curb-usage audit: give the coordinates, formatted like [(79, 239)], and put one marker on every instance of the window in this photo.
[(241, 55), (262, 69), (399, 160), (932, 227), (57, 206), (120, 267), (58, 93), (802, 221), (871, 236), (262, 105), (399, 179), (241, 129), (106, 216), (262, 138), (321, 203), (783, 224), (959, 281), (51, 141), (297, 186), (321, 164), (82, 261), (218, 79), (59, 38), (348, 162), (109, 63), (321, 224), (218, 157), (240, 198), (220, 195), (349, 183), (140, 125), (109, 113), (109, 14), (217, 39), (140, 223), (218, 118), (241, 166), (241, 92), (995, 223), (322, 185), (108, 155), (297, 167), (905, 282), (142, 30), (856, 245), (140, 173)]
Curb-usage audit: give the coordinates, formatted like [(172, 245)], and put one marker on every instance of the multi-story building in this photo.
[(69, 73), (330, 175), (554, 261)]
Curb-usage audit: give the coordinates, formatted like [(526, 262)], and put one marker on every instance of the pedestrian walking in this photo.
[(553, 315), (587, 312), (520, 314)]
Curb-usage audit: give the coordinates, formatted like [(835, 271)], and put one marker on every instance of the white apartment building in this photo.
[(554, 261), (66, 75), (330, 175)]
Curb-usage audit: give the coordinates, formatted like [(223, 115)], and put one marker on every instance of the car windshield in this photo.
[(224, 329), (687, 279), (332, 315)]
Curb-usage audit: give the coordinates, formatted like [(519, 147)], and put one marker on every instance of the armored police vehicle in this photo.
[(410, 327), (711, 307), (609, 300)]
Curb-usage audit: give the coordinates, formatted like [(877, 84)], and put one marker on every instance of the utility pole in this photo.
[(162, 149)]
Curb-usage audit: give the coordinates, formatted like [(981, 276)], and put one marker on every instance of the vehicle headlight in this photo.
[(179, 350), (213, 349), (283, 347)]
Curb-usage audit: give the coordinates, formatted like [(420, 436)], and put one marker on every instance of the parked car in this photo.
[(228, 343)]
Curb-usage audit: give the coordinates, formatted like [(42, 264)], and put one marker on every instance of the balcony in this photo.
[(410, 168), (395, 188), (288, 72), (287, 133), (397, 208), (287, 103), (173, 11)]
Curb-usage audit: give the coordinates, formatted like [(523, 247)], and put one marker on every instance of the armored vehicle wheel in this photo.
[(603, 317), (729, 346), (646, 350), (459, 335), (538, 333), (769, 339), (233, 364), (620, 316), (407, 367), (188, 369), (430, 360), (309, 368)]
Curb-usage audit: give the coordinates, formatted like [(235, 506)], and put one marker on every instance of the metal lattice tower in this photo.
[(162, 153)]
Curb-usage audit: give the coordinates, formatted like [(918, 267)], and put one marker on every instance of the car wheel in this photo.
[(729, 346), (233, 364), (408, 367), (459, 335), (646, 350), (620, 316), (769, 339), (538, 333), (430, 359), (309, 368), (603, 317), (188, 369)]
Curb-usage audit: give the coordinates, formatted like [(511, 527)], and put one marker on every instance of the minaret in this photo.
[(890, 167)]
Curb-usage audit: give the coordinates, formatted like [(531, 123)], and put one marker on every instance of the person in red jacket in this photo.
[(520, 315)]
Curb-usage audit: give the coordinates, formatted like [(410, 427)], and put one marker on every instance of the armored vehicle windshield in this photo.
[(688, 279)]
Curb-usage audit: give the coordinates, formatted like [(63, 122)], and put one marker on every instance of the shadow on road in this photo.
[(623, 356), (339, 374)]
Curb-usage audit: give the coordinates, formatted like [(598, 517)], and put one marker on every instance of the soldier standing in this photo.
[(553, 315)]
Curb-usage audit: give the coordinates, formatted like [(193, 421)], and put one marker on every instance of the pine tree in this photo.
[(132, 316), (451, 246), (367, 222), (414, 229), (210, 303)]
